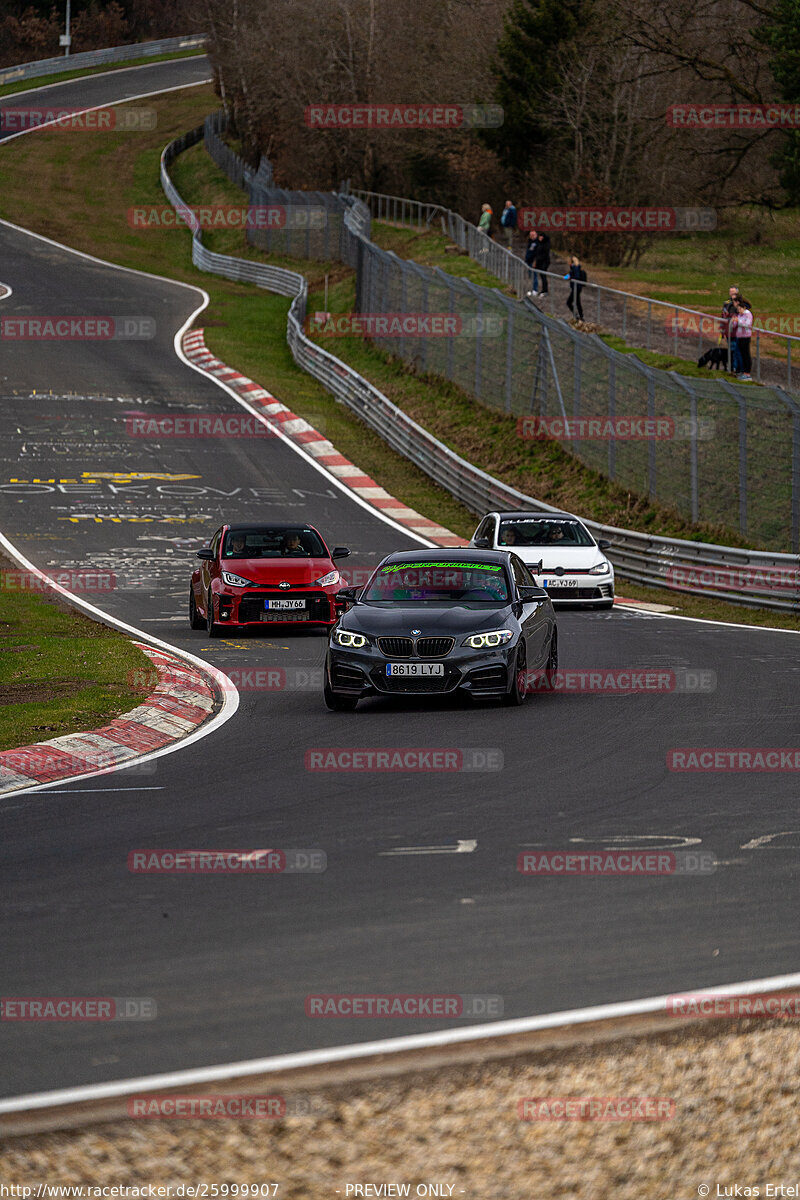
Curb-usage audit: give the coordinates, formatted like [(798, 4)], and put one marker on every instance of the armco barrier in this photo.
[(99, 58), (637, 556)]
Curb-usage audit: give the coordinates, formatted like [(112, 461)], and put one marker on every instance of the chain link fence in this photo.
[(721, 454), (639, 320)]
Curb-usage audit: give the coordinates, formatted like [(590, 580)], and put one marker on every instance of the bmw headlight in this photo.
[(602, 568), (327, 580), (352, 641), (488, 641), (235, 580)]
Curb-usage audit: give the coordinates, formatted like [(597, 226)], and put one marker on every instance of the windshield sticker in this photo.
[(469, 566)]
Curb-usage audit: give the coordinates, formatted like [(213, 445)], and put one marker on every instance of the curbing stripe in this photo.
[(313, 443), (180, 702)]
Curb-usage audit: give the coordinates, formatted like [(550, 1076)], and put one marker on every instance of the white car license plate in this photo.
[(415, 668), (561, 583), (286, 604)]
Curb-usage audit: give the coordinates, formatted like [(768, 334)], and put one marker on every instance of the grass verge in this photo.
[(24, 85), (60, 672), (96, 179)]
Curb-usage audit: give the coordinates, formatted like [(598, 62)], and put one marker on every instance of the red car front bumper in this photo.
[(252, 607)]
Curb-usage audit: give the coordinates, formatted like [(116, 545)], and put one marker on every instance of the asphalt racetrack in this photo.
[(231, 959)]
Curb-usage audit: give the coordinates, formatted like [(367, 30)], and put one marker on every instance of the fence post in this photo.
[(509, 356), (796, 483), (742, 466), (651, 449), (576, 386), (451, 306), (426, 339), (649, 319), (612, 412), (478, 348)]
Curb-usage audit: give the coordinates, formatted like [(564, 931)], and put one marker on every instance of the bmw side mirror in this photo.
[(604, 543), (529, 595), (207, 555), (345, 594), (481, 543), (340, 552)]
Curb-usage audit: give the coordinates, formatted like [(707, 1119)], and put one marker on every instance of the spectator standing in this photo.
[(543, 259), (508, 220), (485, 223), (531, 250), (729, 328), (744, 332), (577, 278)]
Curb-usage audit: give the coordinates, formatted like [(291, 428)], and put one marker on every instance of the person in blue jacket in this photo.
[(508, 220)]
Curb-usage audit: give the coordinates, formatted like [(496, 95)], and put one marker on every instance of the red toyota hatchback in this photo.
[(275, 574)]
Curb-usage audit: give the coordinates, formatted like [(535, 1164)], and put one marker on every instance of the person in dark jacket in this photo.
[(543, 260), (531, 249), (577, 278), (508, 220)]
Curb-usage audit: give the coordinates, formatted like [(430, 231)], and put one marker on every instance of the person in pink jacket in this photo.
[(744, 331)]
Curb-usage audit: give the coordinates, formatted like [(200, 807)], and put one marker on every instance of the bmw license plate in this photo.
[(561, 583), (415, 668), (284, 605)]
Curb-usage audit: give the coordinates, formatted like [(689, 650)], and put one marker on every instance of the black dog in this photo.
[(715, 358)]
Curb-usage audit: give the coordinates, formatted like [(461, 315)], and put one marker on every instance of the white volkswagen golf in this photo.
[(573, 567)]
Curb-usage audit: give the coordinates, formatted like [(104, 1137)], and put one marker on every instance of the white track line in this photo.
[(95, 107), (419, 1041), (91, 74)]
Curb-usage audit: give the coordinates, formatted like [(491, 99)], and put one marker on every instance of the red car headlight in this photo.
[(327, 580)]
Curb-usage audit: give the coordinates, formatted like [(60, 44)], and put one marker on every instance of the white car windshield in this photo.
[(546, 532)]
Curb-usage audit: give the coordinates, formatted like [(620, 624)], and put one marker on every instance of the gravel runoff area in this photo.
[(735, 1123)]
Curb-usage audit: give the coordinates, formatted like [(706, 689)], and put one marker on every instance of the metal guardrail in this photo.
[(98, 58), (658, 561), (632, 314)]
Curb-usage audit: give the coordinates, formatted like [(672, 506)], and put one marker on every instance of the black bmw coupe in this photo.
[(434, 621)]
